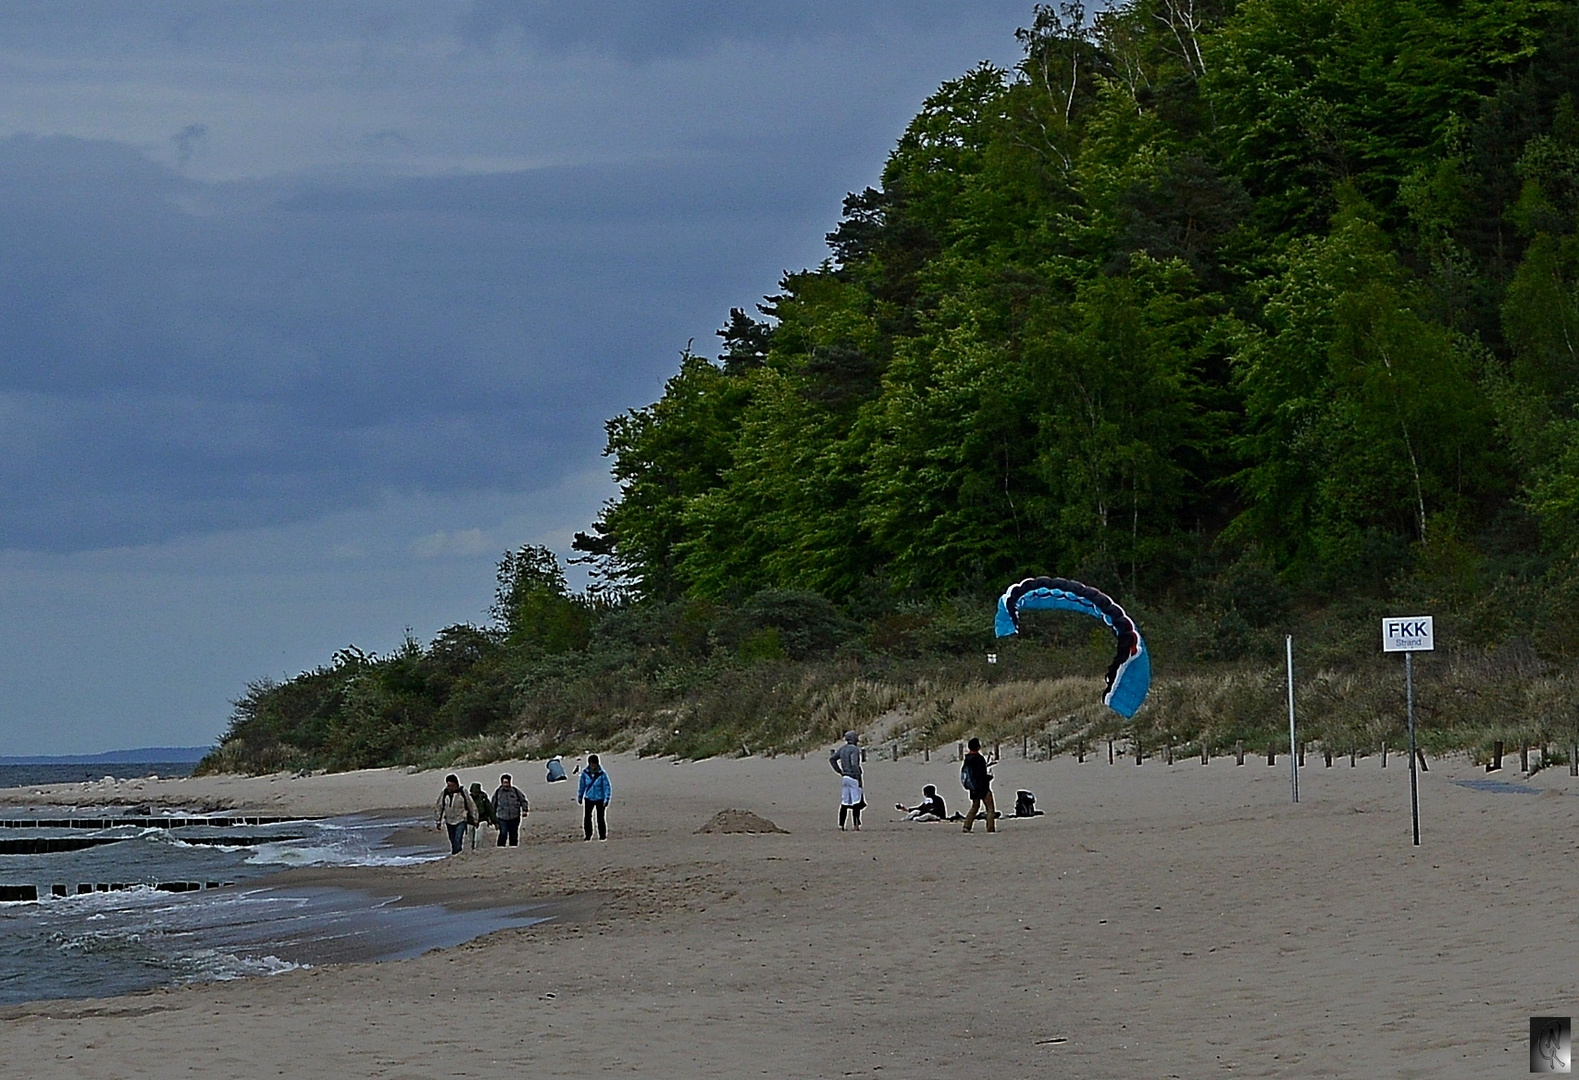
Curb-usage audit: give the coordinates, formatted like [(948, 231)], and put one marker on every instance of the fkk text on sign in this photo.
[(1411, 633)]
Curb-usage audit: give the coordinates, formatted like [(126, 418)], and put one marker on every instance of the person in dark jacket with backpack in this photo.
[(509, 807), (594, 793), (978, 782)]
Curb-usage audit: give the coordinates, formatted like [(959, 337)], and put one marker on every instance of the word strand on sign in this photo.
[(1410, 635), (1413, 633)]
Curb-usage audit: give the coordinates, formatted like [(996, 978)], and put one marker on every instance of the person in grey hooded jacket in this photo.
[(846, 761), (509, 807)]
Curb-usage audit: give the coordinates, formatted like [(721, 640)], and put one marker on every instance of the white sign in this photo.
[(1412, 633)]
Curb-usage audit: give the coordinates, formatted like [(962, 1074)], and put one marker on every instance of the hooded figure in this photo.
[(846, 761), (484, 805)]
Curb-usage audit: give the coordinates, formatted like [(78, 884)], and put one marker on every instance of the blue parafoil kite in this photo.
[(1129, 675)]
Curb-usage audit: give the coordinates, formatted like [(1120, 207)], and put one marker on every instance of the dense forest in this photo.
[(1261, 316)]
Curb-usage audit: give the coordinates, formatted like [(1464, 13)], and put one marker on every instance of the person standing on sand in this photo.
[(978, 781), (484, 811), (594, 793), (509, 807), (455, 811), (846, 761)]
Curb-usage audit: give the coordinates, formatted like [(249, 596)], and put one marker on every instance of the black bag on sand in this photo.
[(1025, 804)]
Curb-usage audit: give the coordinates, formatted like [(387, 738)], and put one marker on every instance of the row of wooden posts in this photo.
[(1239, 754)]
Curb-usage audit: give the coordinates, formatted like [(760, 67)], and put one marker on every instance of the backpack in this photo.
[(1024, 804), (449, 797), (964, 777)]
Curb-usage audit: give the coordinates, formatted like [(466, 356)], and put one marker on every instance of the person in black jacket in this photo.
[(978, 782), (931, 807)]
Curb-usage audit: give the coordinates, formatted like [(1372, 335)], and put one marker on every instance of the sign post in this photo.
[(1410, 635), (1293, 744)]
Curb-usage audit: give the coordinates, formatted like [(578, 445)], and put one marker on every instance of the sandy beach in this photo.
[(1181, 921)]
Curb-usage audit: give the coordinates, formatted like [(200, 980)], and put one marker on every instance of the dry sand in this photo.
[(1159, 921)]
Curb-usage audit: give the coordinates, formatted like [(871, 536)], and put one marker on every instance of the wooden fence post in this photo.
[(1573, 759), (1205, 752), (1080, 752), (1524, 758), (1327, 750), (1110, 750), (1384, 753), (1239, 752), (1271, 754), (1169, 757), (1301, 755), (1496, 757)]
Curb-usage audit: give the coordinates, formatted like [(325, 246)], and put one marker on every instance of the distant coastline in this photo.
[(146, 755)]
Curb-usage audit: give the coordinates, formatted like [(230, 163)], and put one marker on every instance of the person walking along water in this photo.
[(978, 781), (455, 812), (484, 807), (594, 793), (846, 761), (509, 807)]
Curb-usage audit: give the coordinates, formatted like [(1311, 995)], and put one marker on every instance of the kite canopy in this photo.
[(1129, 675)]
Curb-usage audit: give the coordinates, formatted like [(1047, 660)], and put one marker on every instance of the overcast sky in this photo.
[(309, 310)]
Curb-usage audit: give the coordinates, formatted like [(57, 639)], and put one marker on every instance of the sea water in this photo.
[(99, 943), (15, 776)]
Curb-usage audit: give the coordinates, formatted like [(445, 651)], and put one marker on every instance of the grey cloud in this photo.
[(635, 30), (295, 350), (189, 141)]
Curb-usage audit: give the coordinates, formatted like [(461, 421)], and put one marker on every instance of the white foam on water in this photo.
[(298, 854), (346, 842), (210, 965)]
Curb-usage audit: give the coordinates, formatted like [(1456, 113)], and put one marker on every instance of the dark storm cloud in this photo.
[(182, 357), (323, 303), (640, 30)]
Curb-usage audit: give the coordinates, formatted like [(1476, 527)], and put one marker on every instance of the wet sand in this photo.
[(1158, 921)]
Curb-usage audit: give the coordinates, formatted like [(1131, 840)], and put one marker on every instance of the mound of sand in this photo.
[(738, 821)]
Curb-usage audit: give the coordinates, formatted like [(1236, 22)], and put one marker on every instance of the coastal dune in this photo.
[(1157, 921)]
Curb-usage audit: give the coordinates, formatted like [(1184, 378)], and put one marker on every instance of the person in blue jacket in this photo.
[(594, 793)]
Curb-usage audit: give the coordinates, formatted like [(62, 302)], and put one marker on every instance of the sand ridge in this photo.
[(1167, 921)]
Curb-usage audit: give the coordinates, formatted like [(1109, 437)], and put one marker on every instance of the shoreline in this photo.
[(1158, 919)]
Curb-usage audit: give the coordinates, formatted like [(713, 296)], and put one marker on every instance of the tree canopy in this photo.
[(1239, 311), (1195, 280)]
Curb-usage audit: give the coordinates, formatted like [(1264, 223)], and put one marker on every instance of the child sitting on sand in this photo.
[(931, 808)]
